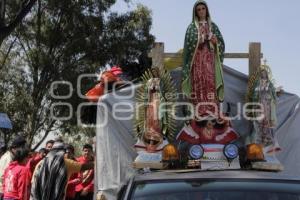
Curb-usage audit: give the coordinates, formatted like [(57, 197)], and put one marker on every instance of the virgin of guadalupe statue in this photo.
[(154, 124), (202, 61), (261, 90)]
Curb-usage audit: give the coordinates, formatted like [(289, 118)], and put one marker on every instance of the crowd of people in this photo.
[(52, 173)]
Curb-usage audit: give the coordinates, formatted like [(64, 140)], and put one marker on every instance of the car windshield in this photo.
[(216, 190)]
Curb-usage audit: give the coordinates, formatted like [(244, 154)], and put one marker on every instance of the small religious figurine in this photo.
[(262, 93), (153, 123), (152, 139), (154, 120)]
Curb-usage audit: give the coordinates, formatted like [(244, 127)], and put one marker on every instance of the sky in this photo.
[(272, 23)]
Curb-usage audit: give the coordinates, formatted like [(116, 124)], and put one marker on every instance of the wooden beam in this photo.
[(157, 55), (236, 55), (226, 55), (254, 57), (172, 55)]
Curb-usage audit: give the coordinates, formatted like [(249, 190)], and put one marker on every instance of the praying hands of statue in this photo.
[(214, 40)]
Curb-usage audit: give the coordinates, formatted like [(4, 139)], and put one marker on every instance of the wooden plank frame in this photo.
[(254, 55)]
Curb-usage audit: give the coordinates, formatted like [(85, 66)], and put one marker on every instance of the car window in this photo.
[(215, 190)]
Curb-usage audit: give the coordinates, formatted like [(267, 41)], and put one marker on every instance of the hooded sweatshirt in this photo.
[(16, 181)]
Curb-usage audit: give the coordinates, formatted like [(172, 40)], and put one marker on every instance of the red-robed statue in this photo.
[(203, 80)]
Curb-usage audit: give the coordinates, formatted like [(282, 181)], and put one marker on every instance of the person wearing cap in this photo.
[(17, 143), (50, 178)]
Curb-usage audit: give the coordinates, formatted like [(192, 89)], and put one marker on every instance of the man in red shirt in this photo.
[(85, 189)]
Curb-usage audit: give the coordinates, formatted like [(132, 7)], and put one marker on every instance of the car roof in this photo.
[(221, 175)]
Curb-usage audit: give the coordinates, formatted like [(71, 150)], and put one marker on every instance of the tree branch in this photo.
[(24, 49), (45, 135), (7, 53), (7, 30), (21, 15)]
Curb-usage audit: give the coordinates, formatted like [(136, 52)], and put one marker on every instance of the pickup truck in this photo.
[(211, 185)]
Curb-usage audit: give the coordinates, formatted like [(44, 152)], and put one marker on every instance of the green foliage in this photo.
[(58, 41), (12, 12), (82, 136), (14, 96), (133, 38)]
